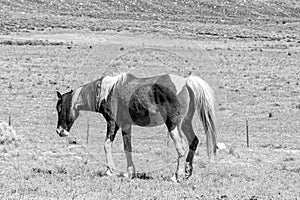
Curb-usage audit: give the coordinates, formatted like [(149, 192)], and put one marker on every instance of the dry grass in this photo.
[(252, 65)]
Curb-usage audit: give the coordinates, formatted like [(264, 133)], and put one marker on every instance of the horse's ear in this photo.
[(59, 96)]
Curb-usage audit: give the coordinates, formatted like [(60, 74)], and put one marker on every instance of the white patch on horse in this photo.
[(108, 83), (178, 81), (75, 99)]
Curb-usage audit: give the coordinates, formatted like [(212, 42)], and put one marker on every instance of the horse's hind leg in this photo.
[(126, 133), (181, 146), (112, 129), (193, 141)]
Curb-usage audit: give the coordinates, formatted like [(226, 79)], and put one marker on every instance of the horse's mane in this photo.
[(109, 83)]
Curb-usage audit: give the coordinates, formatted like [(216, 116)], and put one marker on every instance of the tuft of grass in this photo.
[(42, 171), (8, 135), (61, 170)]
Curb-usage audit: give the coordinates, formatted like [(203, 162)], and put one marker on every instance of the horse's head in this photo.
[(66, 113)]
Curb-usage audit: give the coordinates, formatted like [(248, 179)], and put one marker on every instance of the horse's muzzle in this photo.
[(62, 132)]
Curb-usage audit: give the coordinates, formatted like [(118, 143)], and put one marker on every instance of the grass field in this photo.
[(249, 51)]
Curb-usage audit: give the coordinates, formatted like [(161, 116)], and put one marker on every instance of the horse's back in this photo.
[(174, 82)]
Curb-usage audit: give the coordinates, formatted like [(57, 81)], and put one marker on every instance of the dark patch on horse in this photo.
[(106, 110), (173, 106), (90, 91), (194, 144), (155, 99), (63, 107), (169, 103), (139, 105)]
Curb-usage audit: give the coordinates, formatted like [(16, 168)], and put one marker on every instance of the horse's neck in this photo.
[(82, 99)]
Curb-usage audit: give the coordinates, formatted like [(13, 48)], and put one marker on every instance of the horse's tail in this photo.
[(205, 104)]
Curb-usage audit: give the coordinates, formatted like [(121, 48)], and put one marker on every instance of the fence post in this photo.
[(247, 132), (9, 119)]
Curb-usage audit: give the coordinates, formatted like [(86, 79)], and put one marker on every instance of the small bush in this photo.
[(8, 135)]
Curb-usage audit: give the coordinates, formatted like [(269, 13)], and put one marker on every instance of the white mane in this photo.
[(108, 82)]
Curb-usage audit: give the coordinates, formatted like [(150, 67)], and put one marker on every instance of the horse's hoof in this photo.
[(188, 175), (131, 172), (128, 175), (188, 171), (178, 178), (108, 172), (174, 179), (181, 177)]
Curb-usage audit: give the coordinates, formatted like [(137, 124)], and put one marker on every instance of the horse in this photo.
[(125, 100)]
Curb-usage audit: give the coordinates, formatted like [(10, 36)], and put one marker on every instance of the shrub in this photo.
[(8, 135)]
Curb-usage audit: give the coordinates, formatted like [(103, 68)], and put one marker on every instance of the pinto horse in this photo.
[(125, 100)]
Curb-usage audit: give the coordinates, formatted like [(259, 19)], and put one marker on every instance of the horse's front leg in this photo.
[(126, 133), (112, 129)]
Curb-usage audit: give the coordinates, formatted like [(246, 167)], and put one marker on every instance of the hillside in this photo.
[(180, 17)]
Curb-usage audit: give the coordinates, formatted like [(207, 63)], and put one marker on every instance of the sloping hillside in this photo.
[(155, 9), (180, 16)]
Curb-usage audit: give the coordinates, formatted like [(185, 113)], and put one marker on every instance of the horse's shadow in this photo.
[(143, 176), (138, 175)]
